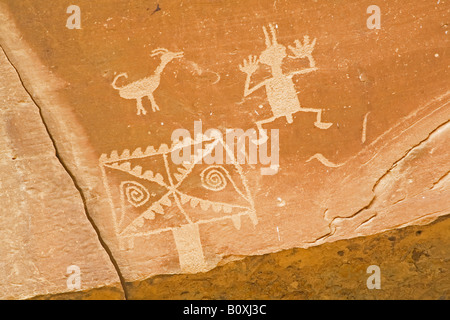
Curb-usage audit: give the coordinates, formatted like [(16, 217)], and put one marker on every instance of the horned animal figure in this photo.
[(280, 89), (145, 87)]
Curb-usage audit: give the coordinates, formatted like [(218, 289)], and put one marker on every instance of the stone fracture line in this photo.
[(73, 178)]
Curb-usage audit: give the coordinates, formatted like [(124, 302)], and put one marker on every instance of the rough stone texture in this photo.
[(414, 264), (43, 225), (104, 293), (376, 160)]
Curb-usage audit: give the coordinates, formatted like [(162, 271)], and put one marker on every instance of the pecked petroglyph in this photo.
[(321, 158), (157, 195), (280, 89), (76, 105), (145, 87), (236, 139), (364, 130), (197, 70)]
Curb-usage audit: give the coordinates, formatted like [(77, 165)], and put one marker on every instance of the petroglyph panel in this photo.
[(360, 114)]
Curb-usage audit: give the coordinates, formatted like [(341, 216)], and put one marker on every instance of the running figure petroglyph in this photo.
[(145, 87), (280, 89)]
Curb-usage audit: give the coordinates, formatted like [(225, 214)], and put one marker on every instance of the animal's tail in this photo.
[(116, 78)]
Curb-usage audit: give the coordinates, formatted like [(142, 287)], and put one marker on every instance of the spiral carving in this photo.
[(135, 193), (214, 178)]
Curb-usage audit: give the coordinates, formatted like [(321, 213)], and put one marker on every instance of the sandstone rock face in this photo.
[(413, 263), (355, 120), (44, 229)]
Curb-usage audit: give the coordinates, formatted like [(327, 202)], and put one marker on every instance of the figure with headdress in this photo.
[(280, 89)]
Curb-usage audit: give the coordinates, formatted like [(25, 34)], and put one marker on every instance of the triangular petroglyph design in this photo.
[(157, 195)]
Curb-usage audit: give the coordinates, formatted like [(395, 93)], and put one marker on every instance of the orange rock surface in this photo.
[(357, 121)]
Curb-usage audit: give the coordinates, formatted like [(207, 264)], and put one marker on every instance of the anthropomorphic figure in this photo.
[(280, 89)]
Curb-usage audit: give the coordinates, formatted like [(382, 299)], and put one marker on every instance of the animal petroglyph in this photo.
[(145, 87), (280, 89), (157, 195)]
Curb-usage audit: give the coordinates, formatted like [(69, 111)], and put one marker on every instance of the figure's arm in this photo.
[(248, 90), (249, 67), (303, 51), (303, 71)]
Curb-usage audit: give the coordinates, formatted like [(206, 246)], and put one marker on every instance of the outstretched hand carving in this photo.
[(249, 67), (304, 50)]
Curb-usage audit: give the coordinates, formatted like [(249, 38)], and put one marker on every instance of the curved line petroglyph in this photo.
[(145, 87), (197, 70), (320, 157), (135, 193), (213, 178)]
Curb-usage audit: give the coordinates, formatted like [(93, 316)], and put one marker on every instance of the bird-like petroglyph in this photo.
[(145, 87)]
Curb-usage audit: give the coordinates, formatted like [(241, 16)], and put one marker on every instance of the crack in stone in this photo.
[(367, 220), (333, 228), (408, 152), (406, 224), (438, 181), (74, 181)]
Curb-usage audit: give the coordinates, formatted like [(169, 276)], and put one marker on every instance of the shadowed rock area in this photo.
[(413, 261)]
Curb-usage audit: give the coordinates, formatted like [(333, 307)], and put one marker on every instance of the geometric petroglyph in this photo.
[(150, 194), (135, 193), (213, 178)]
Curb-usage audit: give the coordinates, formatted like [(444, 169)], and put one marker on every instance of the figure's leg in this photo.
[(154, 105), (262, 134), (289, 118), (319, 124), (241, 143), (140, 107)]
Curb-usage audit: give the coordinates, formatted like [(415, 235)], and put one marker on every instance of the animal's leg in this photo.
[(319, 124), (140, 107), (152, 100)]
